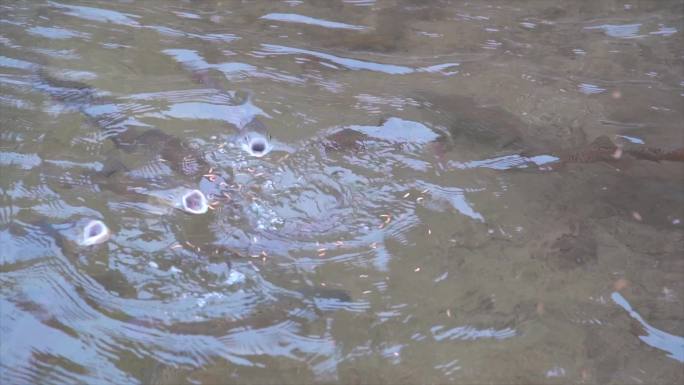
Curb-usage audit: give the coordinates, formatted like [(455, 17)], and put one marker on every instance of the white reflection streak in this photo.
[(126, 19), (456, 197), (238, 115), (23, 161), (590, 89), (98, 14), (56, 33), (399, 131), (355, 65), (449, 368), (664, 31), (194, 62), (470, 333), (8, 62), (295, 18), (656, 338), (506, 162), (632, 139), (333, 304), (622, 31)]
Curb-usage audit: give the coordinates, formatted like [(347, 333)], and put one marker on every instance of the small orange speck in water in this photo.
[(620, 284)]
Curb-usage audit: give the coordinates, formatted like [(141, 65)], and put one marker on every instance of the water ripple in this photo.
[(468, 333), (295, 18), (352, 64), (57, 33), (98, 14)]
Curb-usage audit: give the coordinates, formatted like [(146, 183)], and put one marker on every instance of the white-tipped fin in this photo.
[(95, 232), (194, 202)]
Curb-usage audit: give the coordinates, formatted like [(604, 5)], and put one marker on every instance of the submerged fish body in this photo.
[(253, 136), (120, 120), (164, 149), (145, 156), (76, 236), (178, 155), (603, 149), (149, 166)]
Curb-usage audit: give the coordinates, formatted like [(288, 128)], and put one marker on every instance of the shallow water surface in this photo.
[(444, 192)]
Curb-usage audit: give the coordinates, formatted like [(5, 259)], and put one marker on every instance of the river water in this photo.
[(453, 192)]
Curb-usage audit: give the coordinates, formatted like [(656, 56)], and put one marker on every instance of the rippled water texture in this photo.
[(399, 192)]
